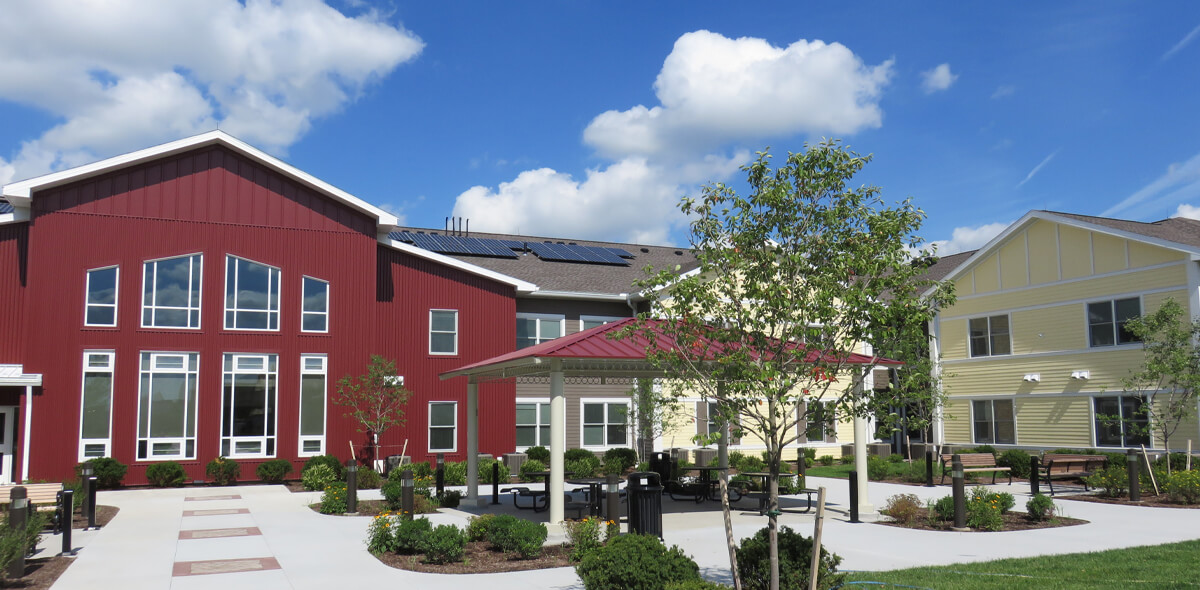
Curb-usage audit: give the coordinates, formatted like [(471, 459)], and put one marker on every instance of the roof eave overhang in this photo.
[(521, 287), (579, 295)]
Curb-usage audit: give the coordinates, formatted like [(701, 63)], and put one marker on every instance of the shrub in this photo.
[(223, 471), (108, 471), (983, 449), (584, 536), (455, 473), (1117, 459), (167, 474), (699, 584), (749, 464), (422, 469), (620, 459), (317, 477), (846, 459), (511, 534), (826, 460), (410, 535), (635, 562), (579, 454), (1017, 461), (478, 526), (328, 460), (485, 471), (1040, 508), (895, 458), (643, 466), (368, 478), (450, 498), (795, 557), (333, 499), (877, 469), (1114, 481), (581, 467), (943, 508), (393, 494), (1178, 461), (273, 471), (984, 509), (381, 533), (538, 454), (1184, 486), (445, 544), (903, 508), (13, 541), (529, 467)]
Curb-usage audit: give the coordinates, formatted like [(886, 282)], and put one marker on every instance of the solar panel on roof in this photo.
[(456, 244), (618, 251), (5, 207)]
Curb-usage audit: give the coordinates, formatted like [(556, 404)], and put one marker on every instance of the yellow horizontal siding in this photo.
[(1004, 375), (953, 339), (1186, 430), (1097, 288), (1049, 329), (1152, 301), (1054, 422), (957, 425), (1141, 254)]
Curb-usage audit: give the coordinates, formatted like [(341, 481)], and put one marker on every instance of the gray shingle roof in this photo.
[(578, 277), (1174, 229)]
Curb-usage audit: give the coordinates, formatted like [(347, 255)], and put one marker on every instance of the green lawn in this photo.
[(1162, 566), (840, 471)]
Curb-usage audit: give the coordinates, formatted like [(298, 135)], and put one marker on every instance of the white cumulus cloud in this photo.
[(967, 238), (1188, 211), (937, 79), (124, 74)]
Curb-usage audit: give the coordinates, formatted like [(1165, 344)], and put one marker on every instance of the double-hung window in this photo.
[(95, 420), (536, 328), (993, 421), (443, 427), (587, 322), (818, 423), (248, 412), (101, 305), (1107, 319), (314, 314), (313, 383), (533, 424), (167, 405), (251, 295), (443, 331), (171, 292), (605, 424), (989, 336), (1121, 421)]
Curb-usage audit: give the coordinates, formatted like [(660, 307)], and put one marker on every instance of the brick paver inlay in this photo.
[(203, 498), (224, 566), (216, 512), (215, 533)]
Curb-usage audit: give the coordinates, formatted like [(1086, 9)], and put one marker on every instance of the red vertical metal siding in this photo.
[(13, 238)]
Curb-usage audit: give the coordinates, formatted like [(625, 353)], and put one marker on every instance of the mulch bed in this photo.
[(479, 559), (1150, 500), (1013, 521)]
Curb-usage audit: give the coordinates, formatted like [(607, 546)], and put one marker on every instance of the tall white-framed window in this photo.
[(443, 331), (248, 412), (536, 328), (443, 427), (533, 423), (314, 314), (251, 295), (167, 405), (171, 292), (95, 415), (994, 422), (587, 322), (100, 306), (604, 423), (313, 394)]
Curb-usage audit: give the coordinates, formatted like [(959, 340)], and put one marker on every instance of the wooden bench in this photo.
[(976, 463), (42, 495), (1060, 466)]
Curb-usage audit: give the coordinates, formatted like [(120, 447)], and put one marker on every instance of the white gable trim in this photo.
[(522, 287)]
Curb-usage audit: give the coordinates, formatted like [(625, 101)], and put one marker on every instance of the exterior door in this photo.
[(8, 416)]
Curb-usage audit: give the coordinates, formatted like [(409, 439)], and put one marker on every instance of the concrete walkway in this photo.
[(264, 537)]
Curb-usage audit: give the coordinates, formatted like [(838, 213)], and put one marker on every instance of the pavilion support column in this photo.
[(26, 436), (473, 443), (558, 432), (860, 458)]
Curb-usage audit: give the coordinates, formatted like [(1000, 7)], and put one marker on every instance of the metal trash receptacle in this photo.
[(660, 463), (645, 503)]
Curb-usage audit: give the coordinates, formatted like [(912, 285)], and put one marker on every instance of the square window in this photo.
[(1107, 321), (251, 295), (989, 336), (605, 424), (171, 292)]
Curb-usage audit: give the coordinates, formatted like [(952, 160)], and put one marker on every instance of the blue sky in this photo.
[(591, 119)]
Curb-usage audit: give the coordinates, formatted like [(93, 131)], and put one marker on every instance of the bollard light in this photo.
[(1133, 467), (351, 487), (495, 482), (1035, 475), (854, 497), (960, 493), (406, 491)]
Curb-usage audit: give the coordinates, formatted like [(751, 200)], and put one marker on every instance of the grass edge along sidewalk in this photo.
[(1157, 566)]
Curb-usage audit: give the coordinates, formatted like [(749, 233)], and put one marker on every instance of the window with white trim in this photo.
[(443, 331), (989, 336), (536, 328), (251, 295), (443, 427), (818, 421), (314, 314), (171, 292), (167, 405), (248, 412), (313, 393), (1107, 319), (95, 416), (1121, 421), (994, 422), (587, 322), (605, 424), (533, 424), (100, 307)]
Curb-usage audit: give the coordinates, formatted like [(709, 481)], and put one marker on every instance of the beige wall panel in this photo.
[(1153, 301), (957, 421), (954, 339), (540, 389), (1108, 253), (1076, 253), (1013, 270), (1054, 421), (1048, 329), (965, 285), (1097, 288), (1043, 252), (1004, 376), (987, 275), (1142, 254)]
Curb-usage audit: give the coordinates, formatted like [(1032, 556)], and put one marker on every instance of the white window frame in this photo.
[(1095, 430), (305, 312), (302, 438), (1112, 306), (266, 441), (432, 332), (603, 319), (540, 317), (87, 295), (105, 442), (992, 401), (193, 379), (276, 313), (989, 354), (540, 402), (430, 427), (196, 277), (583, 403)]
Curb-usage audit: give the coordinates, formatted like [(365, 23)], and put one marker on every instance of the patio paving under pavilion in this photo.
[(594, 354)]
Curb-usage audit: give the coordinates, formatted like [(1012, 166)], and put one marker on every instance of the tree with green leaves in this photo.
[(375, 400), (790, 276), (1169, 378), (655, 412)]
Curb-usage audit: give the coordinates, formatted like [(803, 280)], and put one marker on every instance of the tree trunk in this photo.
[(773, 456)]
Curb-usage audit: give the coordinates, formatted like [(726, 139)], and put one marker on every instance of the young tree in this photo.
[(655, 412), (789, 276), (1169, 379), (375, 400)]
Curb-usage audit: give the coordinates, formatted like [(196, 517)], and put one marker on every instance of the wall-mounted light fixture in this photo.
[(1081, 374), (1033, 377)]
